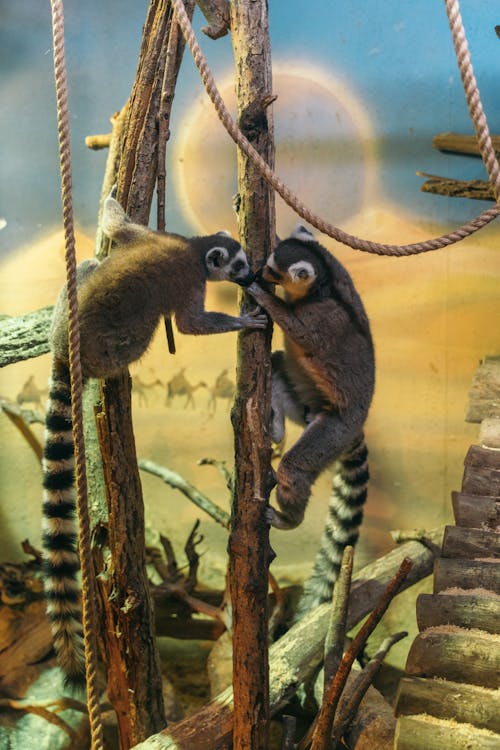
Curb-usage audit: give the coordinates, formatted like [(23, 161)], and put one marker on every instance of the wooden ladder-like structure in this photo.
[(450, 697)]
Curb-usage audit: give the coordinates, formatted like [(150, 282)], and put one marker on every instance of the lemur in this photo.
[(324, 381), (121, 300)]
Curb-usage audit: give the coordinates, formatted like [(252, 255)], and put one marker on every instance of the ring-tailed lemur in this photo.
[(121, 300), (324, 381)]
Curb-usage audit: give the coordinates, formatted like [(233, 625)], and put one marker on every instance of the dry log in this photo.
[(478, 457), (481, 480), (466, 574), (24, 336), (294, 657), (427, 733), (373, 726), (464, 609), (462, 144), (98, 142), (443, 699), (480, 190), (489, 432), (476, 511), (471, 656), (470, 543), (484, 393), (482, 471)]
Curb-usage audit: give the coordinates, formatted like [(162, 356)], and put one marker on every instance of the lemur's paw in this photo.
[(279, 520), (271, 481)]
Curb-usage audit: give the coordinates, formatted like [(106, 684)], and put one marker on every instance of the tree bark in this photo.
[(129, 647), (133, 667), (24, 336), (249, 544)]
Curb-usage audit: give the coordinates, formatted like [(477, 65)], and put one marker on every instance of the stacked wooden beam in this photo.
[(450, 697)]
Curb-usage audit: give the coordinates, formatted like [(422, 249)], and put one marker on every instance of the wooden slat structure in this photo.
[(451, 694)]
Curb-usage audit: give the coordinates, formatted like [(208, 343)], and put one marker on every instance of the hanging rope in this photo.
[(292, 200), (472, 94), (88, 615)]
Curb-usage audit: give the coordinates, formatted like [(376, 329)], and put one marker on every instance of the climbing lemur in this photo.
[(151, 274), (324, 381)]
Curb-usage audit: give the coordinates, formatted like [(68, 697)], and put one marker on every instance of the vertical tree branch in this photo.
[(134, 676), (248, 544)]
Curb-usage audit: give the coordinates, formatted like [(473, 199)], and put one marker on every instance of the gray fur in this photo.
[(121, 301), (323, 380)]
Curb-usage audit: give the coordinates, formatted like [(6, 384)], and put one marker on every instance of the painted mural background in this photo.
[(360, 96)]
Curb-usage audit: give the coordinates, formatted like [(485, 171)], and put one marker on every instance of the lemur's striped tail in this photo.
[(345, 514), (60, 529)]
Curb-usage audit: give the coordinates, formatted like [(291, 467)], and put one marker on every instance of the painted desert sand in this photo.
[(433, 317)]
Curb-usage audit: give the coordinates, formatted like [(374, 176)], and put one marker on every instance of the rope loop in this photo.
[(356, 243)]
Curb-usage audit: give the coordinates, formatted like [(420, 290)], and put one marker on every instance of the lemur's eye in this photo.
[(238, 265)]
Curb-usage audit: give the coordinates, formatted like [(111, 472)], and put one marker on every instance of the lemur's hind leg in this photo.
[(326, 437)]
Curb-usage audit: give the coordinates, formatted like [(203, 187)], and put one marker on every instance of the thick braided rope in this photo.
[(472, 94), (88, 614), (288, 196)]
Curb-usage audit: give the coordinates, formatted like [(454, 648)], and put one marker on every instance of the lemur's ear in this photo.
[(216, 257), (301, 271), (224, 232), (303, 234)]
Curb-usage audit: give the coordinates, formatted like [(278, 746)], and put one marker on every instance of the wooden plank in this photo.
[(456, 654), (461, 573), (479, 610), (443, 699), (427, 733), (476, 511), (470, 543)]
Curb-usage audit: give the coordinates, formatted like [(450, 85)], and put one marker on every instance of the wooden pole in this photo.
[(249, 544)]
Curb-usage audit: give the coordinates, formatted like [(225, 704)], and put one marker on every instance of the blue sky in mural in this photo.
[(395, 60)]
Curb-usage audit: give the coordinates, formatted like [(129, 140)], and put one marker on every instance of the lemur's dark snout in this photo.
[(247, 280)]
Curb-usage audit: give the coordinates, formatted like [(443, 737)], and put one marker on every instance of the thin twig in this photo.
[(335, 636), (179, 483), (363, 682), (42, 709), (334, 641), (17, 417), (331, 699), (222, 468)]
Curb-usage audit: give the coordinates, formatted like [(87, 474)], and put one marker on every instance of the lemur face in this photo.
[(296, 275), (227, 261)]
